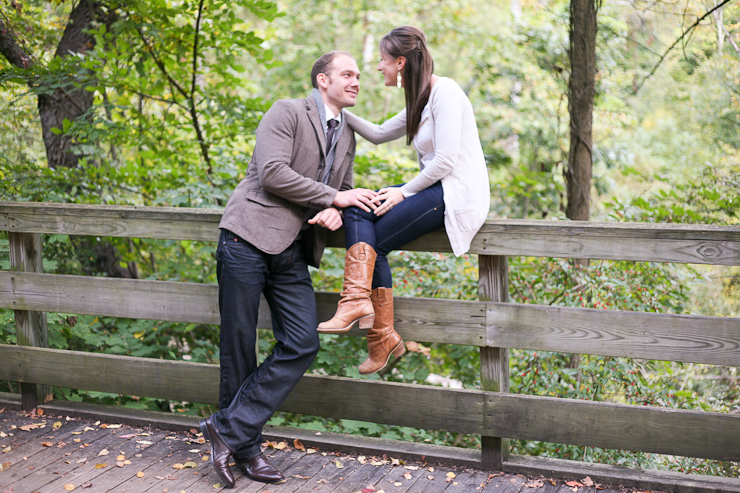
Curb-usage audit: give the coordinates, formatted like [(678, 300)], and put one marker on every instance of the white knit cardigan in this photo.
[(457, 158)]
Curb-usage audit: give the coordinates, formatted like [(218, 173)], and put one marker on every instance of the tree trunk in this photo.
[(68, 102), (582, 54)]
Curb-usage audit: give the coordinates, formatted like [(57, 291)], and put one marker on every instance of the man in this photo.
[(274, 226)]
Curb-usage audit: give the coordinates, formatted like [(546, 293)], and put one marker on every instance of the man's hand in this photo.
[(359, 197), (328, 218), (389, 198)]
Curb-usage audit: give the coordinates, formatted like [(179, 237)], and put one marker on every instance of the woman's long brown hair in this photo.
[(411, 43)]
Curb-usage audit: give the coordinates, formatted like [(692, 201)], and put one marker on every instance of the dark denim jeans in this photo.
[(413, 217), (249, 394)]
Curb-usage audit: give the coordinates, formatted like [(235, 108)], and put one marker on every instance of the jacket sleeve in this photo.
[(348, 182), (273, 154), (447, 112), (393, 129)]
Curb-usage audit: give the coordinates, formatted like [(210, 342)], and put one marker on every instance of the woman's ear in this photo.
[(401, 63)]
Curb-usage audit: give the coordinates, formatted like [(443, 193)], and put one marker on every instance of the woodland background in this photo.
[(156, 103)]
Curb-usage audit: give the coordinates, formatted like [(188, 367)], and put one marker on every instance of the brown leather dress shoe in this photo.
[(258, 469), (220, 453)]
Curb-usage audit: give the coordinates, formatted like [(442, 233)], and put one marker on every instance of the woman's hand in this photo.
[(387, 198)]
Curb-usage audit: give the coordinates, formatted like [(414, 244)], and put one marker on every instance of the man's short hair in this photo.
[(323, 65)]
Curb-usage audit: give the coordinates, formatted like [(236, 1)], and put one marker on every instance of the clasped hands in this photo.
[(379, 202)]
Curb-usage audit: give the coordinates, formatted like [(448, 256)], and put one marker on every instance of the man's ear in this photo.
[(323, 80)]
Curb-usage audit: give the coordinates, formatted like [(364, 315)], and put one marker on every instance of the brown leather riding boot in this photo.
[(382, 339), (354, 304)]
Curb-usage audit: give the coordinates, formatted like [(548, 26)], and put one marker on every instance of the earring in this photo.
[(398, 80)]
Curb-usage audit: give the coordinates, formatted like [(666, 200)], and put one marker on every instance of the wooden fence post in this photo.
[(31, 328), (493, 285)]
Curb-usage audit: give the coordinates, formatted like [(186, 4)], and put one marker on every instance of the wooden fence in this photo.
[(492, 324)]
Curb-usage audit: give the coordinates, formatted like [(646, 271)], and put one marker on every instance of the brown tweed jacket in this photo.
[(282, 188)]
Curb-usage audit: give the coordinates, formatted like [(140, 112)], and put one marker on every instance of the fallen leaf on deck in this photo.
[(408, 475), (140, 474), (395, 462), (30, 427), (339, 464), (298, 445), (170, 477), (217, 485), (120, 463), (311, 451), (47, 444), (574, 484), (430, 477), (103, 452), (100, 466), (178, 466), (159, 477), (4, 466), (513, 480), (281, 445), (114, 427), (130, 435), (411, 468), (194, 450), (69, 487), (535, 484), (143, 442), (451, 475), (87, 485), (6, 449), (84, 459), (56, 425), (397, 483), (376, 463), (3, 435), (322, 481), (430, 469), (367, 490), (205, 458), (121, 457), (587, 481), (145, 434), (301, 477), (87, 428)]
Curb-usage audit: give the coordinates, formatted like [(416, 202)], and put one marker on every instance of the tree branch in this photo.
[(681, 38), (193, 111), (9, 47)]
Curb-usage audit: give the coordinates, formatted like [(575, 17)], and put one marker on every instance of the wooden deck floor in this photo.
[(52, 453)]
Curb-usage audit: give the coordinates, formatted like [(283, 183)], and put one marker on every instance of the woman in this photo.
[(451, 190)]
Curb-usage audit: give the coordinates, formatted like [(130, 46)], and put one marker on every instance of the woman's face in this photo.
[(390, 67)]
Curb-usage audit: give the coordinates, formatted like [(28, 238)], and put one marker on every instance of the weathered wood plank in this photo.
[(681, 243), (685, 338), (493, 285), (31, 327), (647, 429), (172, 223), (419, 319), (615, 426), (392, 403)]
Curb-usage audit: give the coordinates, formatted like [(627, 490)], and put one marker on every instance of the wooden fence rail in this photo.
[(492, 324)]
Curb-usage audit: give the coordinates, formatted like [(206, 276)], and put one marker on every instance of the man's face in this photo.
[(342, 84)]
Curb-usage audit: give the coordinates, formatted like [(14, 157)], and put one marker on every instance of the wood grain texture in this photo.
[(681, 243), (31, 327), (685, 338), (648, 429), (381, 402), (418, 319), (616, 426), (493, 285)]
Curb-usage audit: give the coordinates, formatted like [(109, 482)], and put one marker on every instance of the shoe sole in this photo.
[(207, 436), (400, 349), (364, 323)]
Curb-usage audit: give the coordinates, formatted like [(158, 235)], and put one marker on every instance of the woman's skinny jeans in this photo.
[(413, 217)]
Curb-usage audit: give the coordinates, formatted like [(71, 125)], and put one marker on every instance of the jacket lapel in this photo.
[(313, 116)]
